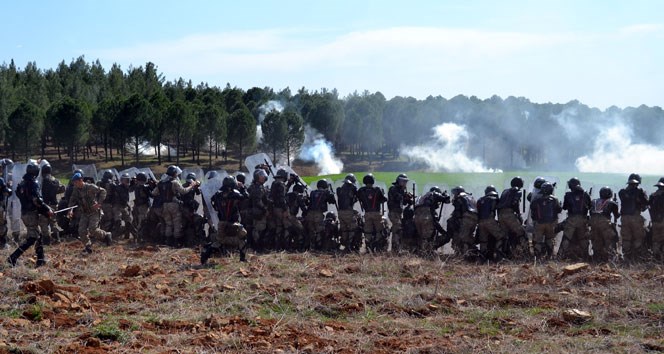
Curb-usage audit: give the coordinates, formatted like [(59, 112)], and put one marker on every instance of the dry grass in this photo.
[(128, 299)]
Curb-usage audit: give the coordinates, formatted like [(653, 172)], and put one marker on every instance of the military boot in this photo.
[(41, 260), (108, 239), (206, 253), (15, 256), (243, 255)]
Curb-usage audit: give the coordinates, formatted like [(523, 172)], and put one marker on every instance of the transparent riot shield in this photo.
[(148, 173), (14, 207), (250, 162), (195, 170), (208, 189), (89, 171), (100, 174)]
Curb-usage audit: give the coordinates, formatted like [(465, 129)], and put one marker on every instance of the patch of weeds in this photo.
[(656, 307), (534, 311), (13, 313), (34, 312), (109, 330)]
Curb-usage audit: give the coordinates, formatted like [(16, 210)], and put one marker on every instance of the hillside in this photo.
[(151, 299)]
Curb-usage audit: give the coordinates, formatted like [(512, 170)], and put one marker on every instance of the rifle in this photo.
[(269, 167)]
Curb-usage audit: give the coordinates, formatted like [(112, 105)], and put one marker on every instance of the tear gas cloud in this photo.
[(319, 150), (447, 151), (263, 110)]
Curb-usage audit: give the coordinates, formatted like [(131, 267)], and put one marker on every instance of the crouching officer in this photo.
[(230, 233), (427, 222), (32, 205)]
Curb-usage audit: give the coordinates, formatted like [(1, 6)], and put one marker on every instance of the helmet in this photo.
[(517, 182), (547, 188), (259, 173), (660, 183), (6, 162), (634, 179), (321, 184), (350, 178), (212, 174), (401, 178), (458, 190), (46, 169), (76, 177), (368, 179), (298, 188), (125, 176), (79, 171), (282, 173), (605, 192), (141, 177), (435, 189), (538, 182), (229, 182), (573, 183), (191, 176), (32, 169), (241, 177), (108, 174), (490, 190), (173, 171)]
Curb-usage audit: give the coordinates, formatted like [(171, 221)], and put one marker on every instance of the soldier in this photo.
[(465, 217), (280, 211), (603, 234), (510, 220), (142, 200), (346, 198), (574, 244), (633, 201), (427, 222), (544, 211), (230, 232), (297, 201), (318, 202), (121, 208), (32, 205), (51, 187), (68, 225), (108, 183), (170, 189), (193, 222), (258, 206), (371, 200), (88, 197), (656, 203), (5, 193), (489, 230), (397, 198)]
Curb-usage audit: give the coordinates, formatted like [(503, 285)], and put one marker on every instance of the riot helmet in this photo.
[(79, 171), (350, 178), (634, 178), (241, 177), (574, 183), (321, 184), (490, 190), (516, 182), (539, 181), (458, 190), (6, 162), (173, 171), (77, 177), (401, 180), (298, 188), (125, 178), (260, 175), (46, 169), (435, 189), (191, 177), (547, 188), (605, 192), (141, 177), (229, 182), (108, 174), (32, 169), (660, 183), (368, 179), (281, 173)]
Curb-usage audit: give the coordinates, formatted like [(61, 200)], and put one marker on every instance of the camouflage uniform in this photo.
[(5, 192), (574, 244), (431, 234), (510, 221), (51, 187), (603, 234), (280, 219), (633, 200), (318, 201), (121, 211), (397, 198), (86, 197), (347, 197), (465, 215), (297, 202), (169, 190), (488, 228), (656, 203), (258, 206), (371, 199), (142, 200), (106, 221), (230, 233)]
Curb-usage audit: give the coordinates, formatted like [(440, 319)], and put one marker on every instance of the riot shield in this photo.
[(250, 162), (195, 170), (88, 171), (131, 171), (220, 174), (116, 174), (208, 190), (148, 173), (14, 208)]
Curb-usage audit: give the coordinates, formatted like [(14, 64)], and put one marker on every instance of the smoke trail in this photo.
[(263, 110), (614, 152), (446, 153), (319, 150)]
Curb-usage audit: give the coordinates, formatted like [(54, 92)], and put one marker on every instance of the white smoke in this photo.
[(316, 148), (614, 152), (263, 110), (447, 152)]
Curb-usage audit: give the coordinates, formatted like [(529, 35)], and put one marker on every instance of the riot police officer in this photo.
[(50, 188), (510, 219), (545, 210), (371, 199), (230, 232), (633, 201), (397, 198), (319, 200), (431, 234), (603, 234), (348, 223), (577, 202), (465, 217), (491, 236)]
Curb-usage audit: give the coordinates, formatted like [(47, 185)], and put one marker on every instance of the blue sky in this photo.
[(602, 53)]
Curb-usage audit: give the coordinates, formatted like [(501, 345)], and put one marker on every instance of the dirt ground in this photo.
[(126, 298)]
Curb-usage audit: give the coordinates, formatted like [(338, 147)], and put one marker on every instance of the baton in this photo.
[(65, 209)]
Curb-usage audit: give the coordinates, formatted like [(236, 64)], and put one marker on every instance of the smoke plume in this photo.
[(263, 110), (447, 151), (319, 150), (615, 152)]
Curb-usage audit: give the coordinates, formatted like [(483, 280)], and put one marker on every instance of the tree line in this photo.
[(81, 106)]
